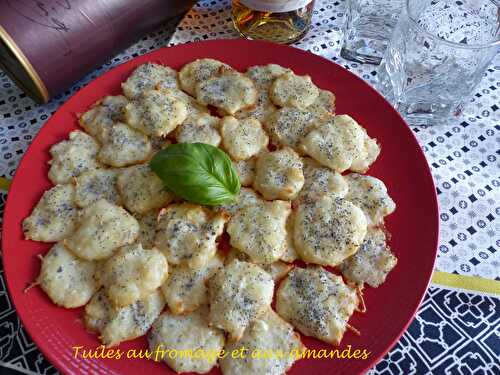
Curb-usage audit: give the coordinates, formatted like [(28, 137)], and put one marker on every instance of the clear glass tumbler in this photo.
[(438, 54), (368, 29)]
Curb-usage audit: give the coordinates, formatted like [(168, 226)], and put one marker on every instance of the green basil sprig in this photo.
[(197, 172)]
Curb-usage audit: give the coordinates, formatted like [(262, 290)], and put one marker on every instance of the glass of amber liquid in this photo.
[(280, 21)]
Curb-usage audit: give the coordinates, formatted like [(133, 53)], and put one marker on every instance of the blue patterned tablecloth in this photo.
[(457, 329)]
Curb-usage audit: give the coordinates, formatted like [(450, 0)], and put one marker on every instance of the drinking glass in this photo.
[(368, 29), (438, 54)]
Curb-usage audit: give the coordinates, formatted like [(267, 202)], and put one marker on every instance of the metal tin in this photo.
[(47, 45)]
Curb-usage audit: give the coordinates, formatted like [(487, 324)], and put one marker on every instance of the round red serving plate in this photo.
[(401, 165)]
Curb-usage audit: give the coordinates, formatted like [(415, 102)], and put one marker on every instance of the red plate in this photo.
[(402, 166)]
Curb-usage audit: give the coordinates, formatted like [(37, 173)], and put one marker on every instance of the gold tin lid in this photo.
[(19, 69)]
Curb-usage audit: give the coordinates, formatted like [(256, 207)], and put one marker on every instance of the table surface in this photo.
[(457, 329)]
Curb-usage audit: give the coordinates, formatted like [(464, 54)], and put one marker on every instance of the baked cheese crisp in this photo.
[(54, 217), (187, 232), (201, 128), (278, 174), (146, 77), (268, 334), (96, 184), (123, 146), (103, 115), (239, 293), (186, 290), (328, 230), (259, 230), (68, 281), (141, 189), (319, 181), (118, 324), (372, 263), (199, 71), (228, 91), (102, 229), (155, 113), (293, 90), (341, 143), (370, 194), (133, 273), (244, 138), (317, 303), (289, 125), (72, 157), (190, 332)]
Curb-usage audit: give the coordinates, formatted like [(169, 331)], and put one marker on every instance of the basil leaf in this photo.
[(197, 172)]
